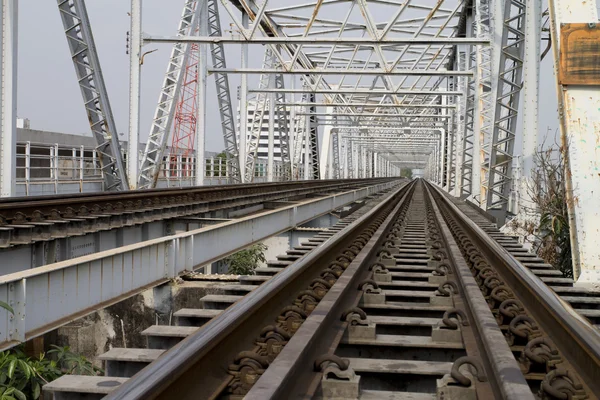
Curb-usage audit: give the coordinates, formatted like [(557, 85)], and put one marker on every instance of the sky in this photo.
[(49, 96)]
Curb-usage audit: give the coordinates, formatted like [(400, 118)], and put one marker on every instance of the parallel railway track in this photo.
[(411, 300), (26, 220)]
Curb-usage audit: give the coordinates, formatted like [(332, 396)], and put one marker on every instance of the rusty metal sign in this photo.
[(579, 54)]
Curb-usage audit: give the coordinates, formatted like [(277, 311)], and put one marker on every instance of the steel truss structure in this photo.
[(509, 84), (78, 31), (164, 115), (433, 85)]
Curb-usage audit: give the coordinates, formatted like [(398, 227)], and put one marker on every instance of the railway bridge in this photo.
[(386, 154)]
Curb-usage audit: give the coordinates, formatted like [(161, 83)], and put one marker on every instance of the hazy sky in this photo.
[(49, 96)]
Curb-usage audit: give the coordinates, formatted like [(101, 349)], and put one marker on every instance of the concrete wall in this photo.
[(120, 325)]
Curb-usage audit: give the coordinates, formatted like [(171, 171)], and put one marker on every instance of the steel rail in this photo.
[(576, 339), (288, 376), (10, 206), (291, 374), (502, 369), (197, 366)]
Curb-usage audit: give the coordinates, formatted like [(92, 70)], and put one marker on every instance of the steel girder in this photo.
[(510, 82), (152, 159), (223, 94), (78, 31), (336, 154), (257, 120), (283, 128), (469, 135), (313, 142)]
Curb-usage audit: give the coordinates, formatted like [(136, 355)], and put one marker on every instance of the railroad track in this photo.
[(27, 220), (408, 301)]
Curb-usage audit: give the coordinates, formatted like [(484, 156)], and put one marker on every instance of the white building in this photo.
[(263, 143)]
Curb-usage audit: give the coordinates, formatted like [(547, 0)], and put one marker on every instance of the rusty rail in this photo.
[(199, 364)]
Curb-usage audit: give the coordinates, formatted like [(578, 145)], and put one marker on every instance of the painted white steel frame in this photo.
[(579, 115), (297, 38), (167, 101), (8, 98), (78, 31)]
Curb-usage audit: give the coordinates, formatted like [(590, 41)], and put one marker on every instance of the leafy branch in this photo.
[(244, 262), (22, 377)]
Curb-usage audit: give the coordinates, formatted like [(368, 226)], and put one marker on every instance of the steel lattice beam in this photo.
[(78, 31), (510, 82), (152, 160), (223, 94)]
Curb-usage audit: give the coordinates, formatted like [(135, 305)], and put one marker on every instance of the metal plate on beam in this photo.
[(579, 54)]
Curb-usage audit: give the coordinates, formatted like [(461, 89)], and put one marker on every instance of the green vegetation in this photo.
[(244, 262), (22, 377), (549, 194), (548, 232), (406, 173)]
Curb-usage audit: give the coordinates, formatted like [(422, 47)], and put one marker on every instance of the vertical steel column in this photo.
[(579, 111), (313, 143), (217, 52), (135, 70), (344, 154), (201, 101), (487, 65), (351, 161), (478, 106), (326, 144), (8, 98), (375, 166), (282, 123), (441, 156), (450, 154), (28, 166), (450, 174), (292, 129), (307, 147), (243, 106), (363, 161), (335, 138), (468, 133), (531, 91), (460, 131), (507, 104), (271, 139)]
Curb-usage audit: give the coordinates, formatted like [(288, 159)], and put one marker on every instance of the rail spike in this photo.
[(290, 318), (442, 270), (369, 286), (355, 316), (272, 340), (246, 369), (454, 314), (333, 366), (561, 384), (379, 269), (539, 354), (474, 364), (508, 310), (448, 288)]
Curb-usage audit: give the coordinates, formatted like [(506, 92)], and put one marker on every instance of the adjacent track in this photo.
[(410, 300), (25, 220)]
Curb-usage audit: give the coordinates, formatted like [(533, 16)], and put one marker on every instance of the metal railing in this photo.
[(43, 169), (54, 169)]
